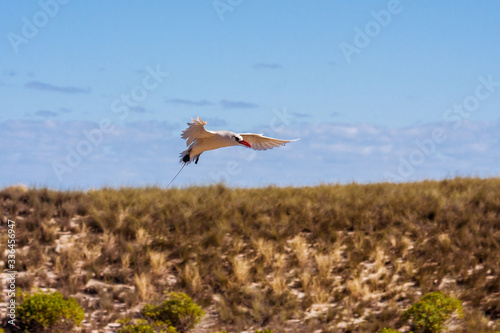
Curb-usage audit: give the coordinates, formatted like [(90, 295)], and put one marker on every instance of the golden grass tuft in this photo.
[(191, 277), (325, 263), (144, 287), (300, 250), (241, 269), (156, 261), (358, 290), (265, 250), (278, 285)]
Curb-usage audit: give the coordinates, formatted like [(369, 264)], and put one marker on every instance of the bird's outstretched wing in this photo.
[(260, 142), (195, 131)]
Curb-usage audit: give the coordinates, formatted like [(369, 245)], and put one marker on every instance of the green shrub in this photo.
[(430, 313), (178, 309), (142, 326), (257, 331), (49, 312), (387, 330)]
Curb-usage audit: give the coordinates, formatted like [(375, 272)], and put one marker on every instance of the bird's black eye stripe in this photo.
[(237, 139)]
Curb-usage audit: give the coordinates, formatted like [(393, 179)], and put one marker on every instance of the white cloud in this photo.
[(142, 153)]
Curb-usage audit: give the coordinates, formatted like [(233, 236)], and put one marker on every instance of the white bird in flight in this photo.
[(198, 140)]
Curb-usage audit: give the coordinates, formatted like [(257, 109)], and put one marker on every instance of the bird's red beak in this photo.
[(243, 142)]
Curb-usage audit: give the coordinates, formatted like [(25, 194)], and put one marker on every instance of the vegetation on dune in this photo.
[(48, 312), (178, 309), (388, 330), (143, 326), (432, 311), (178, 313), (331, 257)]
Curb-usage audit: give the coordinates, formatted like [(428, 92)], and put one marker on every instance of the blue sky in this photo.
[(97, 93)]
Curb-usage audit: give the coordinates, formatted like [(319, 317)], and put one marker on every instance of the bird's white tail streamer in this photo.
[(166, 188)]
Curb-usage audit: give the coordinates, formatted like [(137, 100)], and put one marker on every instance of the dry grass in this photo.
[(241, 269), (332, 257), (144, 287), (191, 277)]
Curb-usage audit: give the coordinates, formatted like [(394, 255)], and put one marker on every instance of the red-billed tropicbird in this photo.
[(198, 140)]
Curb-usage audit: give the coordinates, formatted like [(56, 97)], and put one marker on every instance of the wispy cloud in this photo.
[(46, 114), (65, 110), (189, 102), (10, 72), (300, 115), (227, 104), (267, 65), (147, 153), (42, 86), (138, 109), (224, 103), (216, 121)]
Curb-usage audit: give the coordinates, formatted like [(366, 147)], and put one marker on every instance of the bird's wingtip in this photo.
[(197, 121)]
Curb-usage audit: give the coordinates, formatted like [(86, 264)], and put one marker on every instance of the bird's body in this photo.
[(214, 141), (199, 140)]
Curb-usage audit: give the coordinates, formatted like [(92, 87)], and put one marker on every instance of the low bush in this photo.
[(142, 326), (48, 312), (388, 330), (178, 309), (432, 311)]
